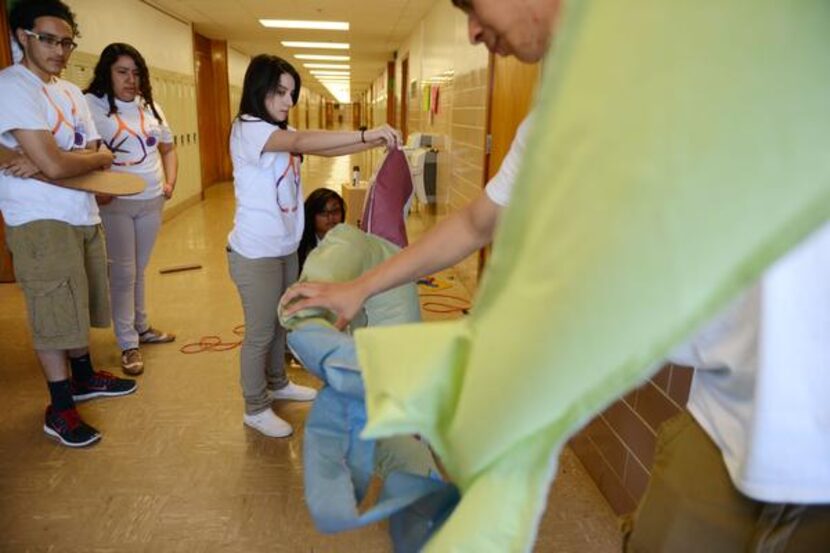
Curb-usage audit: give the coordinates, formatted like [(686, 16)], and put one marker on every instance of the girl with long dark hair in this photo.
[(269, 222), (324, 210), (133, 126)]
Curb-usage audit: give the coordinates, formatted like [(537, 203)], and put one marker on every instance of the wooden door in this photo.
[(511, 94), (356, 115), (404, 98), (512, 90), (213, 108), (6, 269), (390, 93)]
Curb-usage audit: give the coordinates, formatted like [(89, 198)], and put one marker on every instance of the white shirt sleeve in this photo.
[(85, 115), (500, 187), (28, 112), (253, 135), (98, 108)]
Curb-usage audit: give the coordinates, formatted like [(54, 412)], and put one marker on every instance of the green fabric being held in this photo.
[(679, 148)]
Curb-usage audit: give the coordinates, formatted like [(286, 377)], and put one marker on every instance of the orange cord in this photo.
[(442, 307), (214, 343)]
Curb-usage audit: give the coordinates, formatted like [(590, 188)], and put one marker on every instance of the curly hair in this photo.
[(24, 13), (101, 84)]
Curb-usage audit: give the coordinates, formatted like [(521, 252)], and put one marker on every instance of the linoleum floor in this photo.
[(176, 470)]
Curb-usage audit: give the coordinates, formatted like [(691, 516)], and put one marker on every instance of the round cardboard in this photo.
[(97, 182)]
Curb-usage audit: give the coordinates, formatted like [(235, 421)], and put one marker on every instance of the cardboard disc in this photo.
[(97, 182)]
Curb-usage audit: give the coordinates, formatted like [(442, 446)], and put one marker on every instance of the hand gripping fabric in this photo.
[(383, 213), (338, 464), (668, 167), (344, 254)]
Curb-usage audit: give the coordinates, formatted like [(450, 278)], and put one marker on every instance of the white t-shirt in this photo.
[(133, 134), (58, 107), (269, 203), (764, 401), (500, 187)]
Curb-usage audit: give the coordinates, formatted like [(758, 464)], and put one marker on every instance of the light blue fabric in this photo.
[(339, 465)]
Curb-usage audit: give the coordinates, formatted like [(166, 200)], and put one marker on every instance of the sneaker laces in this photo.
[(101, 378)]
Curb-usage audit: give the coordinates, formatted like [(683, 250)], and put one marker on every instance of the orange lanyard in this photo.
[(294, 167), (144, 140), (78, 138)]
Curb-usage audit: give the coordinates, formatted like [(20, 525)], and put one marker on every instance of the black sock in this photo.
[(61, 394), (81, 368)]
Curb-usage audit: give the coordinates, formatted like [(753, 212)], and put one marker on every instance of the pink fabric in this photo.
[(383, 213)]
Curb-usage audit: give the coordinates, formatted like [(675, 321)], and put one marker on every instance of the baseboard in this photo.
[(168, 214)]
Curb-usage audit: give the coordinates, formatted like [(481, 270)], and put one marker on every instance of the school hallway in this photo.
[(176, 470)]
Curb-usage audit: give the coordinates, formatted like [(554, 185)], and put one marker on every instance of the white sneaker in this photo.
[(294, 392), (269, 424)]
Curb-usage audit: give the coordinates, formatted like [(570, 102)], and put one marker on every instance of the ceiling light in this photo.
[(303, 44), (319, 72), (326, 65), (296, 24), (340, 93), (321, 57)]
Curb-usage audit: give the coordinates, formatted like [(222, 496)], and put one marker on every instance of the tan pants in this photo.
[(691, 505), (261, 283), (63, 272)]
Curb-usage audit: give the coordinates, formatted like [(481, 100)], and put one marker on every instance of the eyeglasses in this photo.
[(336, 212), (67, 44)]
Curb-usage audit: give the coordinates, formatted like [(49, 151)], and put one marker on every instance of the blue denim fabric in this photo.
[(339, 465)]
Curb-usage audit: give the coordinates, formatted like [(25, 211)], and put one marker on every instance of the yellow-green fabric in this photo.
[(344, 254), (679, 148)]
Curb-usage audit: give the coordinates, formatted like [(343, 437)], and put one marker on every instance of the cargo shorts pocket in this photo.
[(54, 311)]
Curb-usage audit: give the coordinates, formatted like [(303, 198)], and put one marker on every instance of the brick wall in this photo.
[(617, 447)]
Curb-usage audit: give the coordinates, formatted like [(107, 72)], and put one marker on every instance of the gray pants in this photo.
[(131, 228), (261, 283)]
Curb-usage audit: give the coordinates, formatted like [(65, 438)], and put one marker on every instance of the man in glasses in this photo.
[(55, 233), (746, 467)]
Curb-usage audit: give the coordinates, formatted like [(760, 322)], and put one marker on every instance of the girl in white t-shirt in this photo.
[(268, 224), (120, 99)]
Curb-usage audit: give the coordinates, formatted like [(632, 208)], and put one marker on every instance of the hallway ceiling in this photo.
[(377, 28)]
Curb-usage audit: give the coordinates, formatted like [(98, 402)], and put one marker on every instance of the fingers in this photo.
[(341, 323), (293, 293)]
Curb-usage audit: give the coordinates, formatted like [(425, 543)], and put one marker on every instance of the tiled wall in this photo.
[(440, 54), (617, 447)]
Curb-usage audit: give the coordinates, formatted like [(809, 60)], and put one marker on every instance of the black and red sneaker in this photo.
[(68, 427), (102, 384)]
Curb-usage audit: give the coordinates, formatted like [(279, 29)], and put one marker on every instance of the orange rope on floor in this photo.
[(214, 343), (445, 307)]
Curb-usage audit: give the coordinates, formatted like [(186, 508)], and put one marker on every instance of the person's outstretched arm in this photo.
[(312, 142), (450, 241)]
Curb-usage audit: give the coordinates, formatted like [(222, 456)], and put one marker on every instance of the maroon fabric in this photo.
[(383, 212)]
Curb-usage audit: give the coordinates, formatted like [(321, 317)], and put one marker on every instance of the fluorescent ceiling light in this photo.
[(326, 65), (324, 45), (296, 24), (340, 93), (321, 57), (320, 72)]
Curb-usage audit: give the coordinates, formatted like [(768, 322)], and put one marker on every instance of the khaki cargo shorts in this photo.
[(63, 272)]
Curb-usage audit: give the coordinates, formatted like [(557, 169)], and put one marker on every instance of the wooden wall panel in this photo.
[(6, 269), (213, 107)]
